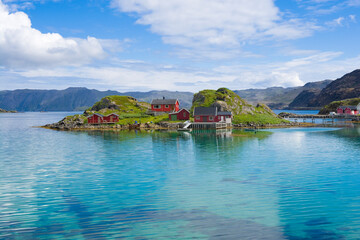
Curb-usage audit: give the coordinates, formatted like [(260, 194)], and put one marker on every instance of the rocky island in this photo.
[(5, 111), (133, 113)]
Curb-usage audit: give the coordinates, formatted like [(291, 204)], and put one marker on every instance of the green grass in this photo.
[(144, 119), (257, 118)]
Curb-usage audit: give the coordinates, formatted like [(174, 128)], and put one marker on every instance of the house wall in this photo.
[(95, 119), (183, 115), (163, 108), (205, 119), (340, 111)]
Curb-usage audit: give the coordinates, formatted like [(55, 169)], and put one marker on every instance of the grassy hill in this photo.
[(128, 109), (243, 112)]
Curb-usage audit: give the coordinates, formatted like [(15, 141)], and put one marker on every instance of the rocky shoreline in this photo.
[(6, 111), (78, 124)]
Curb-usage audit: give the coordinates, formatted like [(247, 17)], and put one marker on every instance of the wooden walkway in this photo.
[(326, 117), (210, 125)]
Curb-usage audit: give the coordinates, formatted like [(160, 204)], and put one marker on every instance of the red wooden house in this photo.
[(348, 110), (182, 114), (211, 114), (97, 118), (165, 105)]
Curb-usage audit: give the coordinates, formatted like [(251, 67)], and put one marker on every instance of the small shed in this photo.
[(182, 114), (95, 118), (224, 116)]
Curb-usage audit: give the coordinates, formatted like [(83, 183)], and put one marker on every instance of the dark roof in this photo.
[(180, 111), (207, 111), (351, 107), (113, 114), (164, 101), (100, 115), (225, 113)]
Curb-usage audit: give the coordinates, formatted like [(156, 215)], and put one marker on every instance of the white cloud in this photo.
[(195, 23), (23, 46), (144, 77), (352, 18)]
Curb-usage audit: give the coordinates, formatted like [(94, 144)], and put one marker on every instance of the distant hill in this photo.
[(278, 97), (73, 99), (342, 88)]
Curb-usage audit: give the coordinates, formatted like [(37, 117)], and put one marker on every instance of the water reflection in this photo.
[(273, 184)]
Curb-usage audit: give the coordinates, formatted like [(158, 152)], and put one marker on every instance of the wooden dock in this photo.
[(325, 117), (210, 125)]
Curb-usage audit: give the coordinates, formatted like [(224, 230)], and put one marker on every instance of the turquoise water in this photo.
[(275, 184), (301, 112)]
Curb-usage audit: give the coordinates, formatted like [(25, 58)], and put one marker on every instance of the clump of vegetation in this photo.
[(333, 106)]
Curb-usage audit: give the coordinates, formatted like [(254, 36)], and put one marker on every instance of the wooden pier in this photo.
[(210, 125), (325, 117)]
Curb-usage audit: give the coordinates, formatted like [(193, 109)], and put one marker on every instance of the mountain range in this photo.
[(346, 87), (311, 95), (75, 99), (279, 97)]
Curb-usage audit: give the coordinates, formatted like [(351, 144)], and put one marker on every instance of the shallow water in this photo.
[(273, 184)]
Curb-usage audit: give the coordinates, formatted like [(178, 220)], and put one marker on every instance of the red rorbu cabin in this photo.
[(182, 114), (349, 110), (97, 118), (211, 114), (165, 105)]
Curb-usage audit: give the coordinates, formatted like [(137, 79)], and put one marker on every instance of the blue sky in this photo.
[(184, 45)]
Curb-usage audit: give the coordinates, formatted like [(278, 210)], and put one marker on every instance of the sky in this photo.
[(177, 45)]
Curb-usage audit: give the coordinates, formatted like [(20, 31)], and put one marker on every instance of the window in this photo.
[(184, 114), (211, 118), (167, 106), (156, 106), (197, 117)]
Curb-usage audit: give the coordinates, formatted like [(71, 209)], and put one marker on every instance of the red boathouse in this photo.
[(165, 105), (182, 114), (211, 114)]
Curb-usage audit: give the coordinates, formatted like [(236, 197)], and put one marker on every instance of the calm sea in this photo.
[(275, 184)]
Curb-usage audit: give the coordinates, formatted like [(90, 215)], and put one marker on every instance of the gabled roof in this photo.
[(112, 114), (164, 101), (205, 111), (350, 107), (180, 111), (98, 114), (225, 113)]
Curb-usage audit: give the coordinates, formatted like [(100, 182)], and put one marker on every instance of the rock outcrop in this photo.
[(5, 111), (243, 112)]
